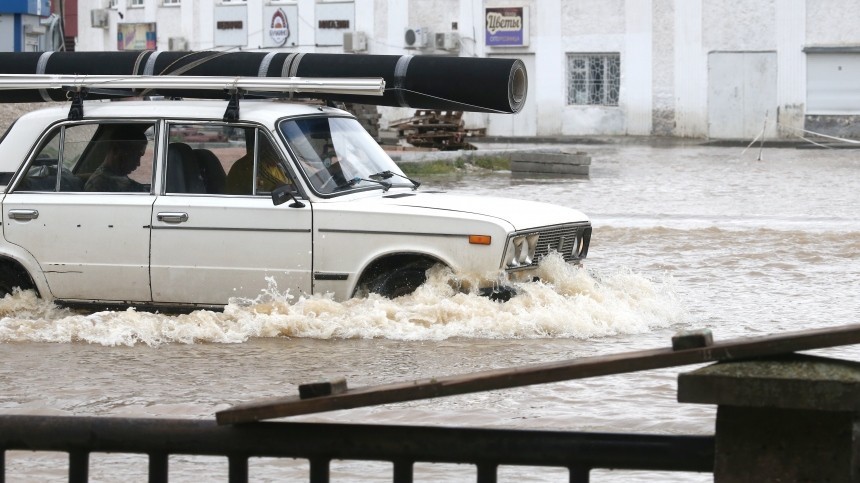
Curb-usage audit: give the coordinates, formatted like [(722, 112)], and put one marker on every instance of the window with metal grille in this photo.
[(593, 79)]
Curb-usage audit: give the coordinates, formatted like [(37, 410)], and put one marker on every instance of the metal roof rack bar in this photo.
[(346, 86)]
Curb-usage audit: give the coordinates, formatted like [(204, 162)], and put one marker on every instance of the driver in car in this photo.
[(127, 146)]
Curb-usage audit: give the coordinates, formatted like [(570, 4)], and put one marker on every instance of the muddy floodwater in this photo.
[(685, 237)]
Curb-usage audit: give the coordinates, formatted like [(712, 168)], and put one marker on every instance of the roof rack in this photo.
[(79, 86)]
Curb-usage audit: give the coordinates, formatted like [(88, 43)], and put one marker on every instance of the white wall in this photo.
[(663, 67), (591, 26), (664, 47), (691, 73), (791, 65), (636, 64)]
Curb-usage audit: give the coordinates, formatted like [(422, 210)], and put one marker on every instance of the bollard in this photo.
[(789, 418)]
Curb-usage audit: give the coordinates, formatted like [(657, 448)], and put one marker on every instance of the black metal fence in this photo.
[(320, 444), (237, 433)]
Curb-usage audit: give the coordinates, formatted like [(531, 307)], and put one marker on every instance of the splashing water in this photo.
[(568, 302)]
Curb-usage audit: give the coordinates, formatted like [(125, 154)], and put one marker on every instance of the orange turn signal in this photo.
[(480, 239)]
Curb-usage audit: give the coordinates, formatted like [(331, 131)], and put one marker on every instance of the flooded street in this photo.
[(685, 237)]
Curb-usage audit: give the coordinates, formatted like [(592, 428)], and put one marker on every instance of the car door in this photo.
[(91, 245), (216, 233)]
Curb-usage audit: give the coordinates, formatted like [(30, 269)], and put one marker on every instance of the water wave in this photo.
[(569, 302)]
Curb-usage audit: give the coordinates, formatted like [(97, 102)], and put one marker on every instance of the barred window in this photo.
[(593, 79)]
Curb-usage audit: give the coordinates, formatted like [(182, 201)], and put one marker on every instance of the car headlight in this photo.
[(520, 252)]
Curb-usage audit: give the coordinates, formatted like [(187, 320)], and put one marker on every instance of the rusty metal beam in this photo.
[(731, 350)]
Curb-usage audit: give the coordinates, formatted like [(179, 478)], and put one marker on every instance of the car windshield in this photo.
[(336, 155)]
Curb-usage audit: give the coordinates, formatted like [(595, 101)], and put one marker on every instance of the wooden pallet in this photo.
[(437, 129)]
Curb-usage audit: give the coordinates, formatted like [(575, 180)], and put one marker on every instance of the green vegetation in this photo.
[(491, 163), (432, 167)]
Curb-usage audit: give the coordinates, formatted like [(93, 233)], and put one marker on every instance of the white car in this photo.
[(167, 204)]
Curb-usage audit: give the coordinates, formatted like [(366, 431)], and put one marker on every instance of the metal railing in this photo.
[(237, 433), (320, 444)]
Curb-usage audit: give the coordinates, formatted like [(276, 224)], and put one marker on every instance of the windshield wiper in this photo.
[(356, 180), (387, 174)]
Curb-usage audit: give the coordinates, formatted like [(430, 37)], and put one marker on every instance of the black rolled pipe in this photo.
[(494, 85)]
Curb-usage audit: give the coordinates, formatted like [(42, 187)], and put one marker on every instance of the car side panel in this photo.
[(25, 258), (90, 246), (228, 247), (371, 232)]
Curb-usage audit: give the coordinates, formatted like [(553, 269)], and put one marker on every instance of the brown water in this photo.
[(685, 238)]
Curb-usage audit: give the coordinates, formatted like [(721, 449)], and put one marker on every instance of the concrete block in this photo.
[(790, 418), (790, 382), (544, 162)]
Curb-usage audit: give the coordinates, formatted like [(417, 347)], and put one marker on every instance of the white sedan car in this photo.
[(166, 204)]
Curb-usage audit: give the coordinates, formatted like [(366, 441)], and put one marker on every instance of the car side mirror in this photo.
[(282, 194)]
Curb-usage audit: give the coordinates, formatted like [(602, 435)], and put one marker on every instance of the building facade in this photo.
[(28, 26), (722, 69)]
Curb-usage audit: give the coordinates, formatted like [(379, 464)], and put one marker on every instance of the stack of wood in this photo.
[(442, 130), (367, 115)]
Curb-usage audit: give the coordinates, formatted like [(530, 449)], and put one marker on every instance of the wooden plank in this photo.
[(543, 373)]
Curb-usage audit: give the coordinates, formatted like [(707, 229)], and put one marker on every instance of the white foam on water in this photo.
[(568, 302)]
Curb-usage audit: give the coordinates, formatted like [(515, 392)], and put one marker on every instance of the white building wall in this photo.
[(663, 67), (832, 22), (169, 19), (592, 26), (738, 26), (663, 44), (691, 72), (791, 62), (636, 65), (547, 81), (534, 110)]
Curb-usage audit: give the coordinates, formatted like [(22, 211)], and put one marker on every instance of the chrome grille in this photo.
[(563, 239)]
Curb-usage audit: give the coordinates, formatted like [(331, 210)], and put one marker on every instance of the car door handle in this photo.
[(172, 217), (23, 214)]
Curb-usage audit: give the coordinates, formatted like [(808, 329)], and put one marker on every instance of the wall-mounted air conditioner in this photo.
[(448, 41), (354, 41), (177, 43), (34, 30), (99, 18), (416, 38)]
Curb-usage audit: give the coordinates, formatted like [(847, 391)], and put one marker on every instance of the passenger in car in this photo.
[(270, 172), (127, 146)]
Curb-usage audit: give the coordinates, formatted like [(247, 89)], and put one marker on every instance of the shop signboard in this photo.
[(506, 26), (135, 36), (231, 25), (332, 21), (280, 26)]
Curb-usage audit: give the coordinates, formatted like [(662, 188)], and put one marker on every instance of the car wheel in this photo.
[(399, 281), (9, 279), (5, 288)]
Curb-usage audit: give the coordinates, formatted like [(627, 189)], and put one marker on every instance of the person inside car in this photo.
[(270, 172), (126, 147)]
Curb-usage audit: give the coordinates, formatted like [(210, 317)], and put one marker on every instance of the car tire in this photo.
[(399, 281), (9, 279)]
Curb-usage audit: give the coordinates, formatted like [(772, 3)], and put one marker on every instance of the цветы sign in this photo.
[(506, 26)]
